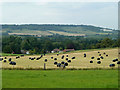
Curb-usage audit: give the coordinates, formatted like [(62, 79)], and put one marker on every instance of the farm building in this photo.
[(25, 52), (55, 50)]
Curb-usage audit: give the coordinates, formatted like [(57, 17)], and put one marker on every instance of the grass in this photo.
[(60, 78)]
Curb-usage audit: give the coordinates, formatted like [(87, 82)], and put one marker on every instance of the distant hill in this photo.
[(53, 29)]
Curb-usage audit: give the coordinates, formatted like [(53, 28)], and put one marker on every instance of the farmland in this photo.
[(80, 62), (86, 77), (60, 79)]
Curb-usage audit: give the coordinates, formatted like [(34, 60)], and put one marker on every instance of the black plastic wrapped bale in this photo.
[(32, 58), (66, 58), (115, 60), (101, 57), (112, 65), (62, 62), (5, 57), (10, 59), (62, 57), (69, 61), (118, 62), (91, 61), (66, 64), (106, 55), (92, 57), (98, 58), (99, 62), (58, 64), (37, 58), (17, 57), (55, 58), (29, 57), (99, 54), (73, 57), (12, 63), (55, 63), (45, 60), (84, 54), (57, 54), (51, 57), (66, 55), (4, 61)]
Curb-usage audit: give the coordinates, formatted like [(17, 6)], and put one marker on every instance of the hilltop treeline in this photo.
[(46, 44)]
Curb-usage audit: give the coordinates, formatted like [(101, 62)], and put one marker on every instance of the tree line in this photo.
[(48, 43)]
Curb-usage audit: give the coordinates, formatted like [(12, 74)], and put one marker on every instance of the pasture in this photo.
[(105, 78), (60, 78), (80, 62)]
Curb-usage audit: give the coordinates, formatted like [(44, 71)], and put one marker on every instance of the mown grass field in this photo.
[(60, 78), (79, 62)]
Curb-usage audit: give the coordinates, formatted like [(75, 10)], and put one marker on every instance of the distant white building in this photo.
[(25, 52)]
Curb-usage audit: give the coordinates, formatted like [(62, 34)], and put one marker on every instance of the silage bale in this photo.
[(91, 61), (99, 62), (112, 65)]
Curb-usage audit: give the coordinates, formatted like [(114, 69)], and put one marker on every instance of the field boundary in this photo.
[(59, 68)]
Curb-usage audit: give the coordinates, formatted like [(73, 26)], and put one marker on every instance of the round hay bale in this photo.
[(5, 57), (12, 63), (99, 54), (32, 58), (73, 57), (101, 57), (98, 58), (92, 57), (99, 62), (58, 64), (91, 61), (66, 55), (66, 58), (37, 58), (114, 60), (62, 62), (112, 65), (69, 61), (62, 57), (45, 60), (51, 57), (66, 64), (57, 54), (29, 57), (55, 58), (55, 63), (84, 54), (4, 61), (118, 62), (10, 59), (106, 55)]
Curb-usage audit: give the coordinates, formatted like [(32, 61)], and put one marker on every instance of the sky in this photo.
[(104, 14)]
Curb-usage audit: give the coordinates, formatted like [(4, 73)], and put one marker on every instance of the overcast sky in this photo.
[(103, 14)]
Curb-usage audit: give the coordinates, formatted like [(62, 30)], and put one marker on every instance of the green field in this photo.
[(60, 78)]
